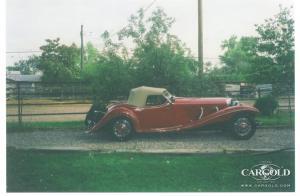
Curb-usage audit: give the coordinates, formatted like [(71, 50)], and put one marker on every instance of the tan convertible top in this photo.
[(138, 96)]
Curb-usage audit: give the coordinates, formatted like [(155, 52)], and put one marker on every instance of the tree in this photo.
[(107, 72), (276, 47), (59, 62), (28, 66), (155, 58), (239, 56), (92, 55), (159, 58), (267, 58)]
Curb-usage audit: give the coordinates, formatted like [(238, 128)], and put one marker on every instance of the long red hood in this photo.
[(202, 101)]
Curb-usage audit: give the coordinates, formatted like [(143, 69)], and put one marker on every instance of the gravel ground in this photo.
[(202, 142)]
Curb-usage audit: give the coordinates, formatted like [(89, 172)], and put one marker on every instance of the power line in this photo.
[(24, 51), (195, 57), (149, 6), (39, 51), (144, 9)]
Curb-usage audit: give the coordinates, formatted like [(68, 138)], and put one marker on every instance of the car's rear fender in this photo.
[(115, 114)]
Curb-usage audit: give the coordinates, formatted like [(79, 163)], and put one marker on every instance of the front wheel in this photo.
[(122, 129), (243, 127)]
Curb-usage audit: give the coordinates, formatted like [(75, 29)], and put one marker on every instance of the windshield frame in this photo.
[(169, 97)]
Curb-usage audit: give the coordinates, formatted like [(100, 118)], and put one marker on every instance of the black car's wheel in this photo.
[(90, 124), (93, 116), (243, 127), (122, 129)]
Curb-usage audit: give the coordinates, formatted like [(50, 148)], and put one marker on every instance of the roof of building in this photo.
[(23, 78), (13, 72)]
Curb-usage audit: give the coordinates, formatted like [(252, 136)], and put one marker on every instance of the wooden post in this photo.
[(200, 38), (81, 54), (290, 107), (81, 47)]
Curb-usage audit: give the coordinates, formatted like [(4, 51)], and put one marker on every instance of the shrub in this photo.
[(266, 105)]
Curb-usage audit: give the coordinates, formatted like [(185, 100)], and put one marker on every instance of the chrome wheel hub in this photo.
[(121, 128), (242, 126), (90, 124)]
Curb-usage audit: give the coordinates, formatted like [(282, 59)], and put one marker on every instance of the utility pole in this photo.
[(200, 38), (81, 47)]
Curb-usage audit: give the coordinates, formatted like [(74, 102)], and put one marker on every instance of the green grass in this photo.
[(34, 126), (39, 171), (282, 118)]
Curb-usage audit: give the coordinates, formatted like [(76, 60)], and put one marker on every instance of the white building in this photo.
[(27, 82)]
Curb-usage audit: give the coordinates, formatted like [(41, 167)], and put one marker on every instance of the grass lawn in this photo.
[(34, 126), (40, 171), (281, 118)]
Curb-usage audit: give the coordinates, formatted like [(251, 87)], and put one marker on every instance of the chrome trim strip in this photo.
[(200, 116)]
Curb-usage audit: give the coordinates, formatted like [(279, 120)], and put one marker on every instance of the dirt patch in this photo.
[(40, 109)]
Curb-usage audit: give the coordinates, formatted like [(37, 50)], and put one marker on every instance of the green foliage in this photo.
[(276, 48), (28, 66), (267, 58), (204, 86), (157, 59), (59, 62), (239, 56), (146, 53), (107, 73), (266, 105), (92, 55)]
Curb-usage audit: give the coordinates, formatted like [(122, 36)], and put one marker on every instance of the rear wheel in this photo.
[(90, 124), (243, 127), (122, 129)]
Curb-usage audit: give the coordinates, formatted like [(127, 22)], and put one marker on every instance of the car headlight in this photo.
[(228, 101), (232, 102)]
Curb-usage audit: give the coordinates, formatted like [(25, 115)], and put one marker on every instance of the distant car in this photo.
[(151, 109)]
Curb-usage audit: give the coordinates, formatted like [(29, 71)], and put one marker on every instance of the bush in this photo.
[(266, 105)]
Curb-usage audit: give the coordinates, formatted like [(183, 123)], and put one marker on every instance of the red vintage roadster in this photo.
[(151, 109)]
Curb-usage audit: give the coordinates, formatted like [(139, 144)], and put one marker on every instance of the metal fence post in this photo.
[(19, 103), (290, 107)]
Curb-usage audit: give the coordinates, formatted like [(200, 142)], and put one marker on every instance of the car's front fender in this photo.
[(229, 112), (224, 115)]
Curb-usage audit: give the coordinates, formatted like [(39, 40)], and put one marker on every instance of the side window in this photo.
[(154, 100)]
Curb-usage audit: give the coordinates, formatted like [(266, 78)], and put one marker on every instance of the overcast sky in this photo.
[(30, 22)]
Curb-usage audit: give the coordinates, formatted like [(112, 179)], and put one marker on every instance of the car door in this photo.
[(157, 114)]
